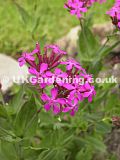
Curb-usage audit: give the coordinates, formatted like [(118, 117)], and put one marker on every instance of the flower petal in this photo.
[(21, 61), (33, 71), (54, 93), (72, 113), (86, 94), (68, 86), (47, 107), (66, 109), (56, 109), (90, 98), (61, 101), (45, 97), (43, 67), (69, 67)]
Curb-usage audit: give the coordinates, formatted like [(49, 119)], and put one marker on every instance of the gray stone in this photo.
[(10, 70), (113, 142), (116, 72), (69, 41)]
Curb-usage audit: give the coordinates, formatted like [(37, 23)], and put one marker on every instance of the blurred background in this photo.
[(23, 22)]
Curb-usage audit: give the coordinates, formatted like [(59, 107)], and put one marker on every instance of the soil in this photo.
[(113, 142)]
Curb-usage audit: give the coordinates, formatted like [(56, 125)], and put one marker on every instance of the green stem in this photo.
[(102, 47), (1, 98), (85, 36), (81, 25)]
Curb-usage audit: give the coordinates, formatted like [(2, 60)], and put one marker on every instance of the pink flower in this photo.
[(72, 108), (40, 74), (72, 63), (89, 92), (76, 94), (65, 95), (37, 49), (60, 75), (114, 13), (82, 91), (77, 7), (25, 58), (43, 68), (55, 49), (53, 102), (55, 55)]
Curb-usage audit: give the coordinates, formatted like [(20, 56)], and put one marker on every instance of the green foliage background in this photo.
[(54, 22)]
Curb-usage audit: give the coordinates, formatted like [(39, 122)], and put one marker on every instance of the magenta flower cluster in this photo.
[(114, 13), (63, 97), (77, 7)]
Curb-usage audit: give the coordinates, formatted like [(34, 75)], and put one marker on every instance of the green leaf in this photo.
[(86, 154), (3, 112), (25, 17), (17, 102), (93, 117), (96, 143), (36, 24), (32, 153), (30, 21), (95, 66), (54, 154), (103, 127), (26, 120), (57, 138), (87, 44), (96, 63), (5, 128), (1, 97), (107, 50), (8, 151), (3, 132)]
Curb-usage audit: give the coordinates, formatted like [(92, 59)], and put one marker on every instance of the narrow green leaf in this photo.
[(53, 154), (8, 151), (23, 13), (87, 44), (85, 153), (108, 49), (1, 98), (35, 25), (96, 143), (3, 112), (26, 120), (31, 153), (17, 102)]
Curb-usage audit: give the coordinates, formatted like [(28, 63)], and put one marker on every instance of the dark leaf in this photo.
[(26, 120)]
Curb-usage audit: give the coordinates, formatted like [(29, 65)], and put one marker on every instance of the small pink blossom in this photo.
[(72, 63), (114, 13), (55, 49), (53, 102), (25, 57), (77, 7)]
